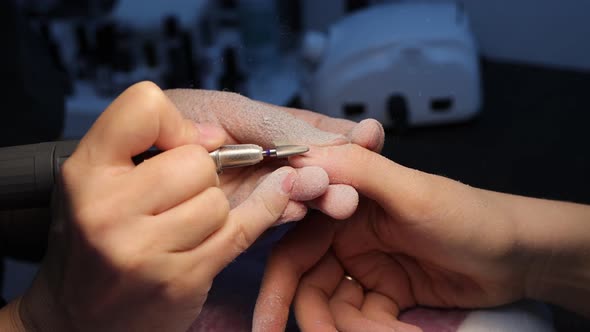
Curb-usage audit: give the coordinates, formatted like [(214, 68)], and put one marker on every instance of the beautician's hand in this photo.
[(421, 239), (248, 121), (139, 246)]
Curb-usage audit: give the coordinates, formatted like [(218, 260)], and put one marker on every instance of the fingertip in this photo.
[(288, 180), (145, 89), (311, 182), (340, 201), (369, 134), (269, 199)]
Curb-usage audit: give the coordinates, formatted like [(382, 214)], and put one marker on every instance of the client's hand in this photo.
[(415, 239), (248, 121)]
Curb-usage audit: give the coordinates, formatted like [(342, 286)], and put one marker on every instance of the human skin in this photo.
[(99, 274), (137, 247), (421, 239), (229, 111), (248, 121)]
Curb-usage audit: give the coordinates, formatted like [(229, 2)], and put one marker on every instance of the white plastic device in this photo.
[(404, 64)]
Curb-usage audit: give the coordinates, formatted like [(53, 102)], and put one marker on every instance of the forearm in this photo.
[(10, 320), (35, 310), (557, 237)]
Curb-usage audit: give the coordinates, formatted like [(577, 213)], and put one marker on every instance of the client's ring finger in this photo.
[(351, 279)]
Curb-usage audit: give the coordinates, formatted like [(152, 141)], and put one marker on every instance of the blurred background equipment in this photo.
[(404, 64), (105, 46)]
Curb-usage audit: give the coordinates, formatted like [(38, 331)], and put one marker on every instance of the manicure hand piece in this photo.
[(28, 172), (239, 155)]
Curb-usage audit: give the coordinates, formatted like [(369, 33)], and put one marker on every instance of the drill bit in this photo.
[(285, 151)]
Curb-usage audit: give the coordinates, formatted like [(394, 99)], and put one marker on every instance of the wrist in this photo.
[(10, 319), (556, 238), (40, 311)]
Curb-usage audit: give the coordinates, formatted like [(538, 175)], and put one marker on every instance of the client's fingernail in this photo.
[(288, 181), (210, 134), (369, 134)]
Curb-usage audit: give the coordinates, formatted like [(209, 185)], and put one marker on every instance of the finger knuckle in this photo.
[(120, 257), (216, 204), (96, 223), (147, 88), (241, 239), (126, 263), (151, 96)]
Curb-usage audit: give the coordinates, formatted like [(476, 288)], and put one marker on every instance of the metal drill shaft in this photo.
[(239, 155)]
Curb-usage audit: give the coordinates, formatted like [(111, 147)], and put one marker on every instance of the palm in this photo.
[(399, 262), (385, 256), (419, 240), (407, 262)]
